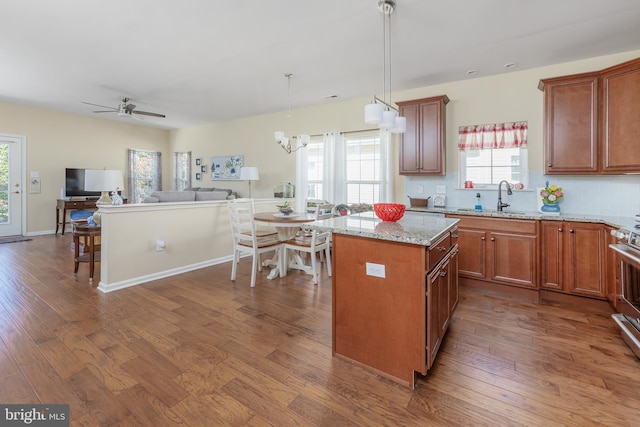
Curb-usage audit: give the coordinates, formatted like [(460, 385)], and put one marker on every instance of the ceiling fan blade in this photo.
[(107, 111), (102, 106), (146, 113)]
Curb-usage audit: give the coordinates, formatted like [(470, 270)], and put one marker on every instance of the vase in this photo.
[(550, 207)]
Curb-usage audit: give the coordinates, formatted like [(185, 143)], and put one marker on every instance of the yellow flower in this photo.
[(553, 188)]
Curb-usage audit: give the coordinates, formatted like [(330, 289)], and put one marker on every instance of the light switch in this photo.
[(420, 189), (441, 189)]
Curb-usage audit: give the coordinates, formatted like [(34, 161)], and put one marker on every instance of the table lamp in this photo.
[(249, 173), (104, 180)]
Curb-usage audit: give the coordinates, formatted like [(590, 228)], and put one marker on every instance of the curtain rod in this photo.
[(342, 132)]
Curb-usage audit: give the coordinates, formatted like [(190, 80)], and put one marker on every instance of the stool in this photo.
[(89, 232)]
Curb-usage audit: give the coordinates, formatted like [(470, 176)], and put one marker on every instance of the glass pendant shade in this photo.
[(373, 114), (388, 119), (400, 125)]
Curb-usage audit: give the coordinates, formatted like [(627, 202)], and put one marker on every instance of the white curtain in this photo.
[(335, 168), (302, 183), (386, 188)]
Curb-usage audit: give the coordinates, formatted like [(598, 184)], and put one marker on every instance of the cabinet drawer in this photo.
[(507, 225), (437, 251)]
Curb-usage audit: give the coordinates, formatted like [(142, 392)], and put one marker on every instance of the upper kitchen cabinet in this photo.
[(571, 124), (422, 146), (590, 121), (621, 116)]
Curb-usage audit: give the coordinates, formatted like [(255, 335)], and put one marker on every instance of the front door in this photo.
[(11, 191)]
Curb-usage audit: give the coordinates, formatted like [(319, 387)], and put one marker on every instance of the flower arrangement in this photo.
[(551, 194)]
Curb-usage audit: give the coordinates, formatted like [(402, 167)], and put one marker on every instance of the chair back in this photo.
[(324, 211), (242, 223)]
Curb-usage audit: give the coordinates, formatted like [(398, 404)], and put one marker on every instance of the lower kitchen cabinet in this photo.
[(573, 260), (503, 251), (441, 299)]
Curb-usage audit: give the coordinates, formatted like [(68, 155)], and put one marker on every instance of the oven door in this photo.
[(629, 302)]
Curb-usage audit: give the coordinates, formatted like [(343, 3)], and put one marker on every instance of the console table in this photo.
[(70, 205)]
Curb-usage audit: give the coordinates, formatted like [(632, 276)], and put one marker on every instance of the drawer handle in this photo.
[(454, 236), (443, 273), (442, 248)]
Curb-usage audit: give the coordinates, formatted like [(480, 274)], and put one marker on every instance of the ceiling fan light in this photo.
[(400, 125), (388, 119), (278, 135), (373, 113)]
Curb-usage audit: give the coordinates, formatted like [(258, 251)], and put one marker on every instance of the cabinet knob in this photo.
[(571, 230), (493, 239), (454, 236), (549, 165), (443, 273), (560, 230), (482, 238)]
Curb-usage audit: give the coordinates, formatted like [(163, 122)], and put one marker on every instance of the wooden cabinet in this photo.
[(591, 121), (423, 145), (502, 251), (571, 124), (395, 323), (621, 117), (612, 269), (574, 258), (442, 286)]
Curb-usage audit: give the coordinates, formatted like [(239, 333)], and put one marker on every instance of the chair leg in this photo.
[(328, 257), (314, 272), (234, 265), (254, 269)]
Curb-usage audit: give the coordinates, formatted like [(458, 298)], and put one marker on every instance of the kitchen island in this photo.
[(395, 286)]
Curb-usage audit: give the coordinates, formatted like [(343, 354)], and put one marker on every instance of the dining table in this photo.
[(287, 226)]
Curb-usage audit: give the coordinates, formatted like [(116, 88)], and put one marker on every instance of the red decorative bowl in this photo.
[(390, 212)]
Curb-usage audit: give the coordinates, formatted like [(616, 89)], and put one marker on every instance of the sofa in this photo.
[(194, 194)]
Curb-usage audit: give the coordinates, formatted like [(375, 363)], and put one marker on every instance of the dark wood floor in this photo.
[(199, 350)]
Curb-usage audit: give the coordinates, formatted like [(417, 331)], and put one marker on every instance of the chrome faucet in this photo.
[(509, 192)]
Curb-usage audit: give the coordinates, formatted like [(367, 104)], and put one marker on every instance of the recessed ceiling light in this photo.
[(510, 65), (331, 96), (472, 72)]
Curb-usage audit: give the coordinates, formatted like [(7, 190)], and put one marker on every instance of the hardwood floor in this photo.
[(200, 350)]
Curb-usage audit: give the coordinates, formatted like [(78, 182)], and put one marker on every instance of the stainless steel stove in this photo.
[(628, 300)]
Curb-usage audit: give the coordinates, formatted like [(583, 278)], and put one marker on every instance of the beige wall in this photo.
[(510, 96), (56, 140)]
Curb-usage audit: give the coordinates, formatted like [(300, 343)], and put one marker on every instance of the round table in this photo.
[(287, 226)]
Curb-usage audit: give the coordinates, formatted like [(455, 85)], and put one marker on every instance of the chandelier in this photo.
[(380, 111), (281, 139)]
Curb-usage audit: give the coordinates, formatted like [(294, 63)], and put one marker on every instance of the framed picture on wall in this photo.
[(226, 168), (198, 161), (198, 177), (203, 168)]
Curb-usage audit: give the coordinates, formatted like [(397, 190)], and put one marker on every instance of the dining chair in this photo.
[(314, 242), (246, 239)]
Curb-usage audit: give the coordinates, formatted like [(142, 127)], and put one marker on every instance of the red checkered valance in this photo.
[(498, 135)]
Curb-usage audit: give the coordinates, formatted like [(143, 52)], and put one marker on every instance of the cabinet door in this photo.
[(422, 146), (585, 243), (472, 253), (514, 259), (453, 280), (571, 124), (552, 255), (409, 153), (621, 113), (438, 309), (612, 270)]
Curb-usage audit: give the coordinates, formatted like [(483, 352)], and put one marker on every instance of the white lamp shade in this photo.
[(373, 113), (278, 135), (103, 180), (400, 125), (249, 173), (388, 119)]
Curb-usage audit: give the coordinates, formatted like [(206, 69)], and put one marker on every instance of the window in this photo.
[(182, 170), (145, 174), (363, 169), (346, 168), (492, 153)]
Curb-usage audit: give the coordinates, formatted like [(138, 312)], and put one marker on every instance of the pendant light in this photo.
[(279, 136), (380, 111)]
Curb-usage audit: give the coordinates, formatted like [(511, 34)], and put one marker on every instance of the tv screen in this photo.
[(74, 184)]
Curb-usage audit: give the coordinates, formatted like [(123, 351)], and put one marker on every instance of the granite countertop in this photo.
[(414, 227), (613, 221)]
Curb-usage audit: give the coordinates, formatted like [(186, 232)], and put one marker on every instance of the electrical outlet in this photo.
[(376, 270), (420, 189), (441, 189)]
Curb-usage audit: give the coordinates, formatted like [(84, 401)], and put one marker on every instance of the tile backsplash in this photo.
[(593, 195)]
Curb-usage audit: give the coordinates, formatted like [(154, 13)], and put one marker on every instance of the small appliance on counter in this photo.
[(439, 201), (284, 190)]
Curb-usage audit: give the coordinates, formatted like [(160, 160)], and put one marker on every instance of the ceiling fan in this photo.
[(125, 109)]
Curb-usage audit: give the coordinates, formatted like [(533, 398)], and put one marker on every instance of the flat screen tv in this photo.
[(74, 184)]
